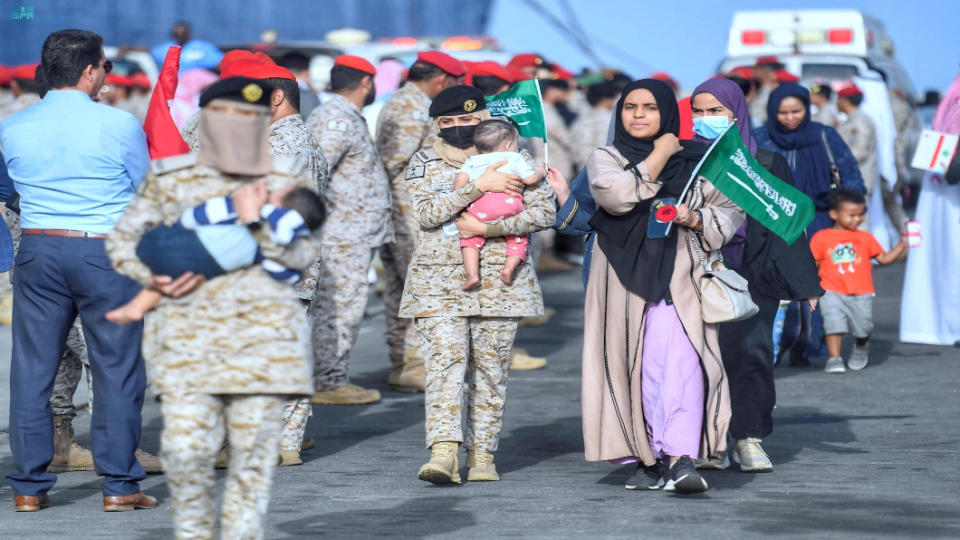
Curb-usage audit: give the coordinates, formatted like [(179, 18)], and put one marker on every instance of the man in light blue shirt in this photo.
[(76, 165)]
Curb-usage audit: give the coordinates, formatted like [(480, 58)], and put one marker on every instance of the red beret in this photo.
[(243, 54), (518, 74), (255, 69), (768, 60), (526, 60), (27, 72), (785, 76), (119, 80), (140, 80), (562, 73), (443, 61), (6, 75), (849, 89), (665, 77), (489, 69), (355, 62), (743, 72)]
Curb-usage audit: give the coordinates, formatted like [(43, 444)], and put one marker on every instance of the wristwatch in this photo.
[(254, 226)]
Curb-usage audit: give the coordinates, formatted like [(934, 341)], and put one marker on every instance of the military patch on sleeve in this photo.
[(337, 125), (415, 170)]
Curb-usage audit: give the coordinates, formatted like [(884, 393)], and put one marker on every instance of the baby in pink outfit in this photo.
[(496, 141)]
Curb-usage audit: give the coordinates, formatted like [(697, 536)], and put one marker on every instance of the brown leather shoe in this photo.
[(31, 503), (133, 501)]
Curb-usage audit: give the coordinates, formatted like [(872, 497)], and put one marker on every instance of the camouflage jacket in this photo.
[(242, 332), (403, 127), (289, 137), (436, 273), (561, 145), (358, 193), (861, 136), (18, 104)]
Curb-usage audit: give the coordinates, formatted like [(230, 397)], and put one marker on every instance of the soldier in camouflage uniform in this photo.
[(403, 128), (465, 332), (24, 86), (358, 222), (289, 137), (227, 355)]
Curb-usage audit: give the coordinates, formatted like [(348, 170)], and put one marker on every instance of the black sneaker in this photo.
[(646, 478), (684, 478)]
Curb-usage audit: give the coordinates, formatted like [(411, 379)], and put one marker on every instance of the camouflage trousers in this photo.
[(72, 365), (454, 348), (294, 419), (193, 429), (336, 311), (401, 336)]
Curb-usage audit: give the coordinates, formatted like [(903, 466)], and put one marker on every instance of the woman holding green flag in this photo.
[(774, 271), (654, 388)]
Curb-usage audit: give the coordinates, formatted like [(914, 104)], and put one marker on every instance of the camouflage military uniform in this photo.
[(74, 356), (19, 103), (222, 356), (290, 137), (561, 145), (861, 136), (358, 222), (589, 131), (466, 330), (905, 121), (403, 128)]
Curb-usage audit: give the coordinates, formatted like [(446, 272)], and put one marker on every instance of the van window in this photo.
[(830, 72)]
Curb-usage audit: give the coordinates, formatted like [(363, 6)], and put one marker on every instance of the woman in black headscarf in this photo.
[(654, 389), (774, 271)]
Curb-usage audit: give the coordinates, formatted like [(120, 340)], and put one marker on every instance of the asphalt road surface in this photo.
[(859, 455)]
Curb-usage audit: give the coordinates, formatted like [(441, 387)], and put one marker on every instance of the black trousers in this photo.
[(56, 279), (747, 350)]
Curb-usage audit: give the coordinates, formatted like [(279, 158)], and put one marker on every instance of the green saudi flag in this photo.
[(522, 105), (780, 207)]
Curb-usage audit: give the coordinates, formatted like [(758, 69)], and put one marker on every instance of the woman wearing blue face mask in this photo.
[(774, 270), (808, 147)]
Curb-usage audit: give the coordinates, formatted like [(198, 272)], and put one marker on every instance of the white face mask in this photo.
[(814, 110), (841, 117)]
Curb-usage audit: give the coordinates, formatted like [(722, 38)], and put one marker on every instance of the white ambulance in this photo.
[(831, 44)]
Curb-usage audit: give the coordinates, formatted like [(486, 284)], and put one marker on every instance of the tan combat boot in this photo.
[(481, 468), (408, 375), (150, 463), (6, 310), (348, 394), (520, 360), (67, 454), (443, 467)]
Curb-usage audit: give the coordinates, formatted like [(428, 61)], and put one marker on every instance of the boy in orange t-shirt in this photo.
[(843, 255)]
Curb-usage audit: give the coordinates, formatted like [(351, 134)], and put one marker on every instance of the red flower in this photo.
[(666, 213)]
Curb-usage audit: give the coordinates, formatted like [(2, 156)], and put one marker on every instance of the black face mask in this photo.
[(459, 136), (371, 95)]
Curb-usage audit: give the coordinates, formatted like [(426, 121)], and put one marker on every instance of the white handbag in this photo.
[(724, 296)]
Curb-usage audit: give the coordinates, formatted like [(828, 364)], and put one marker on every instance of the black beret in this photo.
[(242, 89), (457, 100)]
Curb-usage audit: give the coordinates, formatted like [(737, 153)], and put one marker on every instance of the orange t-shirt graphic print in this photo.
[(844, 260)]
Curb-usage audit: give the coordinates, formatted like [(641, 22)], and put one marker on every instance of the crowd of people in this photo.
[(238, 268)]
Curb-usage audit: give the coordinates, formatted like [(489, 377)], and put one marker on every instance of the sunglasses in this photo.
[(107, 66)]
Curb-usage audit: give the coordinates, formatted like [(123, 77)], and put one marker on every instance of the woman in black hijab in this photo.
[(654, 389)]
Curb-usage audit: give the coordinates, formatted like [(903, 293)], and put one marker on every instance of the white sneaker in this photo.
[(834, 365), (751, 457), (859, 357)]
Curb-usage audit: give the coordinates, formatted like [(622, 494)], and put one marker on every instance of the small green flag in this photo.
[(780, 207), (521, 104)]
